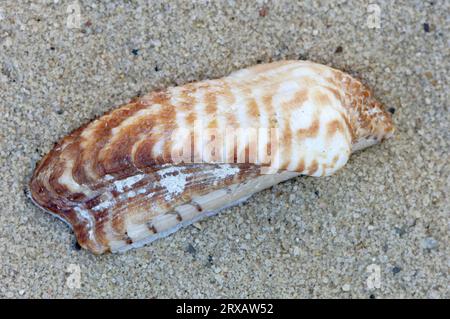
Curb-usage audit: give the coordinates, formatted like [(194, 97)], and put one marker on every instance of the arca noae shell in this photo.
[(172, 157)]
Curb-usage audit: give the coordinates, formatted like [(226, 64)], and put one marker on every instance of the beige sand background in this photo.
[(383, 220)]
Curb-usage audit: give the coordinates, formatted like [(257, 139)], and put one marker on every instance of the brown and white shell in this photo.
[(172, 157)]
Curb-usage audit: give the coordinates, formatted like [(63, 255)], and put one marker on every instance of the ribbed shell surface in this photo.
[(170, 157)]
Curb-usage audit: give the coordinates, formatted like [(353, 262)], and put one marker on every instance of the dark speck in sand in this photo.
[(191, 249), (77, 246), (396, 270)]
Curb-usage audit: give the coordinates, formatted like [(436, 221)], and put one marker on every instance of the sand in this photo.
[(379, 228)]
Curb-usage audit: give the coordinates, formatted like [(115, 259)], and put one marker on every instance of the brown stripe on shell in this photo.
[(142, 155), (187, 98), (311, 131), (116, 156), (296, 102), (99, 135), (300, 166), (210, 100), (231, 120), (313, 167), (333, 128)]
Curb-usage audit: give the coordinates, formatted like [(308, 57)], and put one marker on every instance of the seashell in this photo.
[(173, 157)]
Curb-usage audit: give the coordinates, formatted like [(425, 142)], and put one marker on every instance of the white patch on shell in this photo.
[(104, 205), (373, 111), (131, 194), (127, 182), (224, 171), (141, 191), (174, 184)]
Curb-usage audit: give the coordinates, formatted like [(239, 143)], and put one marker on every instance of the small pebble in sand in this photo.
[(197, 225), (396, 270), (291, 197), (263, 12), (346, 287), (429, 243)]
